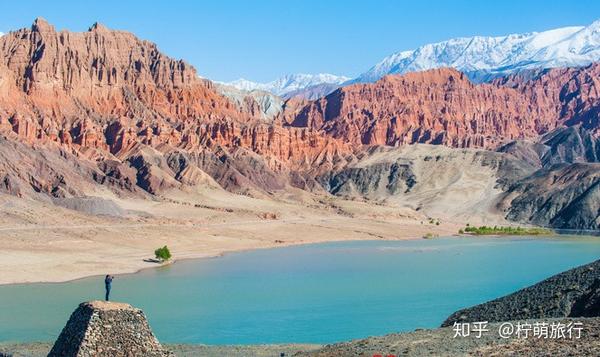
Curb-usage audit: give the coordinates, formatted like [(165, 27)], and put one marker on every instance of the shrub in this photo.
[(430, 235), (163, 254)]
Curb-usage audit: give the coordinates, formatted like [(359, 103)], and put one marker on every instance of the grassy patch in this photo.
[(507, 231)]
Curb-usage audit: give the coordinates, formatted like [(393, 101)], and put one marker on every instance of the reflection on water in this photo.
[(314, 293)]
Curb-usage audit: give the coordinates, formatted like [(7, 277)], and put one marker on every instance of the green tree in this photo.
[(163, 254)]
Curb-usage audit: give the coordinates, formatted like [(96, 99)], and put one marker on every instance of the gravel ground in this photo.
[(41, 349), (441, 342), (436, 342)]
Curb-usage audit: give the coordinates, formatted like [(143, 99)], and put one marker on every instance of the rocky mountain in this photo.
[(564, 191), (482, 58), (110, 97), (443, 106), (257, 103), (286, 85), (104, 109), (549, 121), (430, 178), (312, 92), (568, 145), (563, 196)]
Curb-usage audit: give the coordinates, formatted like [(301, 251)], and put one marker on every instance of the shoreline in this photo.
[(214, 256), (44, 249), (280, 245), (43, 243), (220, 348)]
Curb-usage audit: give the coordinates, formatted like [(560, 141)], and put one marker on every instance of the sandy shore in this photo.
[(45, 243)]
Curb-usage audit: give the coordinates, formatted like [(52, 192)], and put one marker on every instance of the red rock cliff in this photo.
[(442, 106), (104, 93), (109, 91)]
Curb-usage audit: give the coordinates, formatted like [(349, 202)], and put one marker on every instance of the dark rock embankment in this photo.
[(442, 342), (573, 293)]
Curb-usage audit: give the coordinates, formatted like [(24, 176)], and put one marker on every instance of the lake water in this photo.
[(314, 293)]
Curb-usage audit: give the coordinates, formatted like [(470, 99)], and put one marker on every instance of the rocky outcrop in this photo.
[(574, 293), (105, 92), (99, 328), (573, 93), (434, 179), (563, 196), (442, 106), (564, 190), (256, 103), (312, 92), (574, 144), (63, 74), (438, 107)]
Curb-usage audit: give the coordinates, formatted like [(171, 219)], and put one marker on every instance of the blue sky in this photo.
[(262, 40)]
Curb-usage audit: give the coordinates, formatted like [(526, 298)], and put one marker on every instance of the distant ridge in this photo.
[(481, 58), (289, 83)]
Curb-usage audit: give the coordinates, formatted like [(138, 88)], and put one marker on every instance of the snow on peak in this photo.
[(289, 83), (480, 57), (483, 57)]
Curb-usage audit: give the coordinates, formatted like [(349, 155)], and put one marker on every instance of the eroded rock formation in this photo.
[(442, 106), (105, 92), (104, 107)]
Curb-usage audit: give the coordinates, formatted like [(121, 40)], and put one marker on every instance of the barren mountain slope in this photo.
[(103, 110), (437, 180)]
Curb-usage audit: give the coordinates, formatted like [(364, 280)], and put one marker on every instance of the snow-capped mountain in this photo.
[(482, 58), (289, 83), (268, 103)]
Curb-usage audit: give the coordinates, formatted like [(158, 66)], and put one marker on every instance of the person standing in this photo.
[(107, 285)]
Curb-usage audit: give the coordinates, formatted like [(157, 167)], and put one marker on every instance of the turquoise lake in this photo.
[(314, 293)]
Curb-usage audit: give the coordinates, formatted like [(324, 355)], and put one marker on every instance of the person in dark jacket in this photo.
[(107, 285)]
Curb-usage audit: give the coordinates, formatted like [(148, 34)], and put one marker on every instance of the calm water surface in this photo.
[(315, 293)]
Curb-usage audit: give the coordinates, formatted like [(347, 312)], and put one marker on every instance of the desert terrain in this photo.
[(46, 243)]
